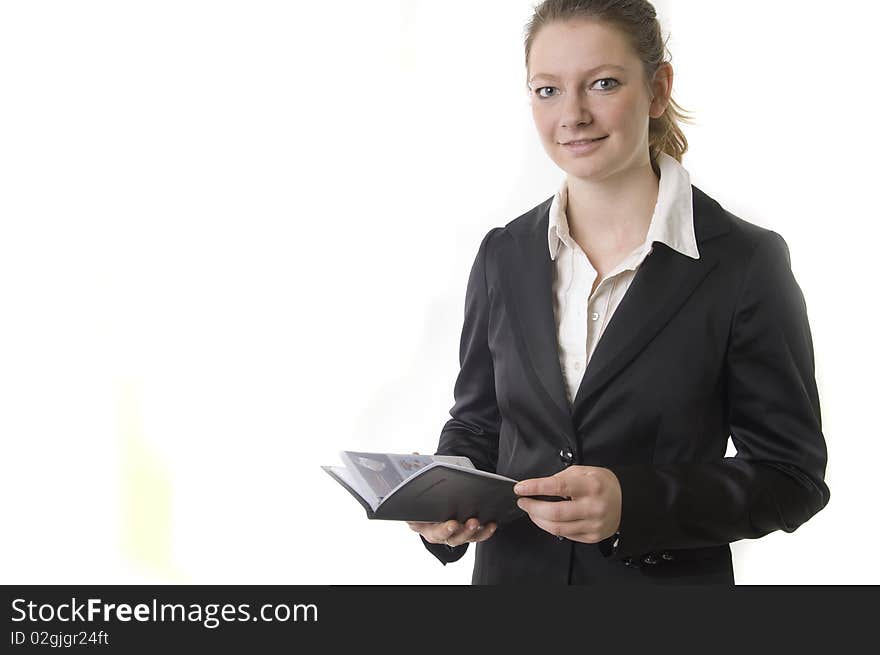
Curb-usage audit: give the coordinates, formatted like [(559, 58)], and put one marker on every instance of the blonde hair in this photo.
[(637, 20)]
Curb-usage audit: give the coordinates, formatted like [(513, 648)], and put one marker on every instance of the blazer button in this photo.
[(650, 558), (627, 561), (667, 556), (566, 456), (560, 537)]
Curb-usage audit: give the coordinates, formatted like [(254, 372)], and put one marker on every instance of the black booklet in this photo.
[(427, 488)]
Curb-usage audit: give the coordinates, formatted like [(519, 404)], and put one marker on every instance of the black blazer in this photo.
[(697, 350)]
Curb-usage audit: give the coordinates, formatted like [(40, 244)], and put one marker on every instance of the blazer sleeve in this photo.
[(776, 479), (476, 421)]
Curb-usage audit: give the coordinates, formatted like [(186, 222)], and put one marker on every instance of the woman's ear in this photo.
[(661, 88)]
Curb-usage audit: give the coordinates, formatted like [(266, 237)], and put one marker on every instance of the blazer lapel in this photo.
[(662, 284), (527, 279)]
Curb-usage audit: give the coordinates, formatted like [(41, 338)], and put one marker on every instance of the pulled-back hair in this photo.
[(637, 20)]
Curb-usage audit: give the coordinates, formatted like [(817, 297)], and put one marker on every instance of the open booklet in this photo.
[(427, 488)]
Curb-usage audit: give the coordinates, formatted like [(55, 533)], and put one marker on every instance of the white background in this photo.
[(235, 239)]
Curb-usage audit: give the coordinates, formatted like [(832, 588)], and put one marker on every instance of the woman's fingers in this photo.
[(487, 531), (440, 533), (467, 532), (472, 530), (435, 533), (454, 533), (482, 532), (446, 532)]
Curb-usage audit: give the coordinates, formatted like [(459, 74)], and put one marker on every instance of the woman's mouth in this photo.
[(584, 145)]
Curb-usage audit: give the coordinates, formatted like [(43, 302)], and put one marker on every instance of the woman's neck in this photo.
[(613, 214)]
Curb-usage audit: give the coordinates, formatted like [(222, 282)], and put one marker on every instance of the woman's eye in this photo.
[(608, 79), (541, 88)]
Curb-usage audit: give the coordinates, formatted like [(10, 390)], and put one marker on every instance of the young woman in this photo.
[(616, 334)]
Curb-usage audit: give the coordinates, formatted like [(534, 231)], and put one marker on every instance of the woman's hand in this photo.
[(593, 511), (453, 533)]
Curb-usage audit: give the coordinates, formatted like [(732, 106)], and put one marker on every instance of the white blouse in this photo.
[(580, 317)]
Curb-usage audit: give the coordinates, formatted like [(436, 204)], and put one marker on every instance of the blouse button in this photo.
[(594, 316)]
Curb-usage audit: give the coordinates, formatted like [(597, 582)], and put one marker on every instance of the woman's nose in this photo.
[(575, 110)]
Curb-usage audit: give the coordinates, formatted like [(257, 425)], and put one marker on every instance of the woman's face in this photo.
[(585, 82)]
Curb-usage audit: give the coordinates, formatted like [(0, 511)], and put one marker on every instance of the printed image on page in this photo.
[(407, 465), (378, 472)]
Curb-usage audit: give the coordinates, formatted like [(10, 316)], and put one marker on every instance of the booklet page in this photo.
[(383, 472)]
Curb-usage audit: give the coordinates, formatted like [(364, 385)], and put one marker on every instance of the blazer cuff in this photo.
[(639, 515), (446, 554), (609, 546)]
